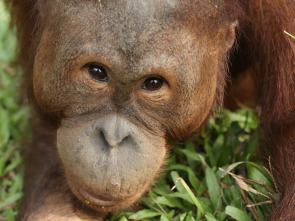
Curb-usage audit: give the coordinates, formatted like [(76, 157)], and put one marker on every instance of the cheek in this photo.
[(44, 80), (53, 85), (194, 99), (205, 92)]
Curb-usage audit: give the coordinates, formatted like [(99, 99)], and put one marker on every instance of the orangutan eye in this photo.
[(97, 72), (152, 84)]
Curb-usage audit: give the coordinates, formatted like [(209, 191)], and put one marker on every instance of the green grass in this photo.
[(287, 33), (13, 124), (217, 176), (204, 173)]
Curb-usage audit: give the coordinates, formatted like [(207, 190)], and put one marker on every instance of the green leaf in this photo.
[(189, 217), (171, 214), (192, 155), (145, 213), (213, 186), (182, 216), (287, 33), (175, 176), (184, 196), (202, 188), (210, 217), (12, 199), (206, 204), (164, 218), (215, 150), (171, 202), (9, 214), (231, 167), (259, 174), (237, 214), (4, 126), (191, 175), (123, 218), (221, 216), (196, 202), (192, 196)]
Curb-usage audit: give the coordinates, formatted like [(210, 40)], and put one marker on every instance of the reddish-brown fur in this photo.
[(269, 51)]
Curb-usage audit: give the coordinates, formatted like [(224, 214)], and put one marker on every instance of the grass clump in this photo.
[(13, 126), (201, 181)]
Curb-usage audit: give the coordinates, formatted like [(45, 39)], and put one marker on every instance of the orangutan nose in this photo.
[(115, 131)]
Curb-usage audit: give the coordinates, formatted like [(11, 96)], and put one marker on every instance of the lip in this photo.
[(90, 199)]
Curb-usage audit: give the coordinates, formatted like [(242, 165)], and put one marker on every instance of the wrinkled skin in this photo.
[(112, 135)]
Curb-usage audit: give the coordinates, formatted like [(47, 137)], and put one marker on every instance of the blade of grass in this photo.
[(237, 214), (287, 33), (193, 197)]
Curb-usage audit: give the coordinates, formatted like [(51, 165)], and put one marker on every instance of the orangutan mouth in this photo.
[(94, 200)]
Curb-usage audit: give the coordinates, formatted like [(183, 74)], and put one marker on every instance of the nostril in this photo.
[(107, 140), (103, 138), (112, 141), (125, 139)]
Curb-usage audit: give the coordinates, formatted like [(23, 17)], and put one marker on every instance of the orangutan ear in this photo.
[(230, 37)]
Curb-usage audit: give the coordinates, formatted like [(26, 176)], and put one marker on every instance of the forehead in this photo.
[(120, 10), (134, 17), (129, 31)]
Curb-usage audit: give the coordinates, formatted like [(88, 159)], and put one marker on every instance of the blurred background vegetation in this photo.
[(216, 176), (13, 123)]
